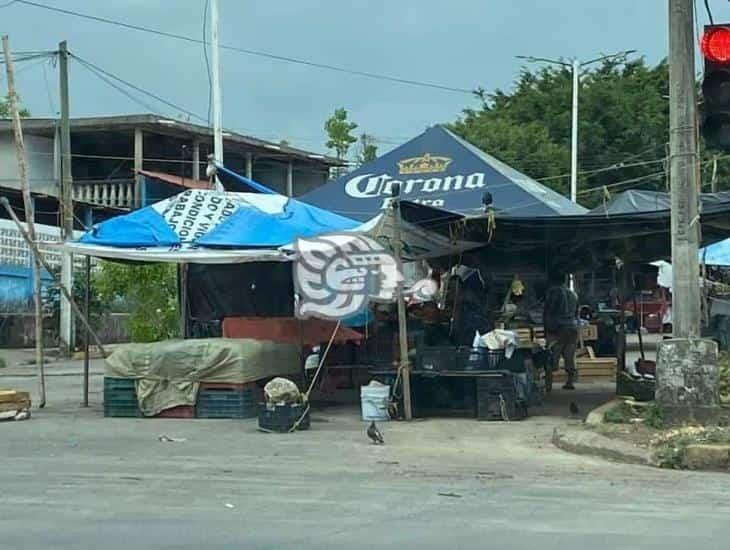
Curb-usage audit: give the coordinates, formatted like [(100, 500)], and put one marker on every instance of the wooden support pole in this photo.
[(34, 248), (27, 204), (87, 296), (405, 369)]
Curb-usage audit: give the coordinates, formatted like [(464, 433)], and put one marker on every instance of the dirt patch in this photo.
[(641, 424)]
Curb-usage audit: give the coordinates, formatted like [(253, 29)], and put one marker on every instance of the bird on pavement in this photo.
[(573, 408), (375, 435)]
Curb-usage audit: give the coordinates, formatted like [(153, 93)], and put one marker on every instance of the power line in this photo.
[(247, 51), (709, 12)]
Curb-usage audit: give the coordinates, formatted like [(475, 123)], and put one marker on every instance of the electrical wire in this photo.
[(709, 12), (89, 64), (257, 53)]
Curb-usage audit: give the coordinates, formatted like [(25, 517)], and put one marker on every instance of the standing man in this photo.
[(560, 318)]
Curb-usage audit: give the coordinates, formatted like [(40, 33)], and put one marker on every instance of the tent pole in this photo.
[(182, 277), (402, 324), (86, 331)]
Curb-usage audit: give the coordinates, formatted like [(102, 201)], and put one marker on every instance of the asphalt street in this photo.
[(72, 479)]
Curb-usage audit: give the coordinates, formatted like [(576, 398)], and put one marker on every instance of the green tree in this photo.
[(623, 127), (148, 292), (5, 108), (339, 130), (367, 149)]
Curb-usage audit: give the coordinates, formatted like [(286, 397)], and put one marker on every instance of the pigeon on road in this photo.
[(375, 435), (573, 408)]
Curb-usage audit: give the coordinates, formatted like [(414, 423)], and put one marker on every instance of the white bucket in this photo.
[(374, 402)]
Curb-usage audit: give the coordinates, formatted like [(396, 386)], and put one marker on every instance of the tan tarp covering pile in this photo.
[(168, 373)]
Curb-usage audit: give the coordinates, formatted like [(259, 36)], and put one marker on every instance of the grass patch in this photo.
[(651, 415)]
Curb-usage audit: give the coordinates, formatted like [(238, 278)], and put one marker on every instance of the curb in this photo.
[(598, 415), (584, 442)]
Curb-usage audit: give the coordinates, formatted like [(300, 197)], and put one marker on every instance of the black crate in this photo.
[(226, 403), (483, 359), (281, 418), (496, 382), (437, 358), (120, 398), (500, 406)]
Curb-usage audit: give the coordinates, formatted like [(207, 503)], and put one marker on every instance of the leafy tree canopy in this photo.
[(623, 128), (339, 130), (5, 109)]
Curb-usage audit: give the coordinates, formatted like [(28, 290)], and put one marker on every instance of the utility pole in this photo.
[(687, 376), (574, 67), (574, 134), (683, 175), (28, 207), (66, 202), (404, 367), (216, 84)]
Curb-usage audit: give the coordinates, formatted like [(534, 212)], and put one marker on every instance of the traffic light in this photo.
[(715, 47)]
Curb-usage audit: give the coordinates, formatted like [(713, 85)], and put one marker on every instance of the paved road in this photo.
[(74, 480)]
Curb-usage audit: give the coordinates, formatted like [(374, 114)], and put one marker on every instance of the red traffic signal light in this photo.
[(715, 44), (715, 125)]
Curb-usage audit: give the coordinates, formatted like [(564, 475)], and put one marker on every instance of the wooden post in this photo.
[(23, 176), (182, 275), (87, 295), (405, 369)]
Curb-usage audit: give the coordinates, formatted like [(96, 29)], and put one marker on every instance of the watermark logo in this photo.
[(337, 275)]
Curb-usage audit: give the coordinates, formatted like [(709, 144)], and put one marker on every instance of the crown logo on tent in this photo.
[(427, 164)]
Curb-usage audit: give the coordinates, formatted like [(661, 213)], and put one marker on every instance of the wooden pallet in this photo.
[(591, 368), (13, 402)]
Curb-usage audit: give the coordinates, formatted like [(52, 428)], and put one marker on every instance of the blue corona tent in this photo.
[(440, 169)]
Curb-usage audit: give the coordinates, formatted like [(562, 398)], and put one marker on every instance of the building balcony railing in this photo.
[(114, 193)]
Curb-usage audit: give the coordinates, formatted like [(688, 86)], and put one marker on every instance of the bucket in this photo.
[(374, 402)]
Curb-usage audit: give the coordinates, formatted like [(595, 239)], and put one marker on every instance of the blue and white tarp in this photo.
[(209, 227), (440, 169), (717, 254), (206, 226)]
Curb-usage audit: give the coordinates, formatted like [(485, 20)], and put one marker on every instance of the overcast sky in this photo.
[(457, 43)]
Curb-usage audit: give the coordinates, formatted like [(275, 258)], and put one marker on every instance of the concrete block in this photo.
[(707, 457), (687, 374)]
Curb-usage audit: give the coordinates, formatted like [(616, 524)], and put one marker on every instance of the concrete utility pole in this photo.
[(66, 202), (574, 134), (28, 206), (216, 84), (687, 376)]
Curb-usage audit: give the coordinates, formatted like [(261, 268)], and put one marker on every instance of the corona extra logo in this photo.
[(427, 164)]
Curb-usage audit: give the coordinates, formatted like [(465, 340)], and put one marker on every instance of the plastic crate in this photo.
[(120, 398), (281, 418), (437, 358), (498, 381), (226, 401)]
